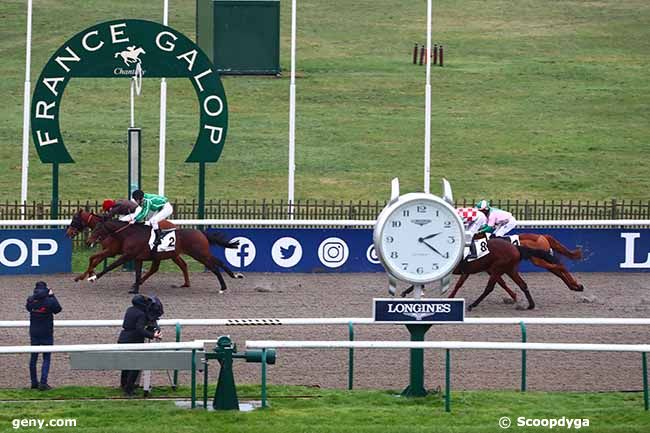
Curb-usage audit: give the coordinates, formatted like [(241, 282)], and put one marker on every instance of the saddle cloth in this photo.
[(167, 242), (482, 250), (482, 246)]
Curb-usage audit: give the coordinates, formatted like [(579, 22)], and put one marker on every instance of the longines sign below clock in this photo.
[(418, 311)]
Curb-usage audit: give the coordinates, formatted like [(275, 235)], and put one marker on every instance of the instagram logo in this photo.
[(333, 252)]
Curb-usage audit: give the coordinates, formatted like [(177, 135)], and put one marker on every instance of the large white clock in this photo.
[(419, 238)]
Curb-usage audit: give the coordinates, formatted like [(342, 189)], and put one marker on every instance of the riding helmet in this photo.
[(483, 205), (137, 194), (107, 205)]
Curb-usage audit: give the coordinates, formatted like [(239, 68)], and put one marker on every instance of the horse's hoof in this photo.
[(531, 307), (470, 308), (509, 301), (221, 292), (92, 278), (185, 286), (77, 279), (239, 275), (580, 288)]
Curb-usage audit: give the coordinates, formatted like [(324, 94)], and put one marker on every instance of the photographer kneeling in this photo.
[(140, 322)]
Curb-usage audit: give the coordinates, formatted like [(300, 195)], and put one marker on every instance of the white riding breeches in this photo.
[(503, 230), (162, 214), (472, 229)]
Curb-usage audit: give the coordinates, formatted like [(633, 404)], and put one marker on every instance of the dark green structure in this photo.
[(240, 36), (225, 397)]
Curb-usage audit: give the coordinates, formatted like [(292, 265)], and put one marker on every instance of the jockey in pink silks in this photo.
[(499, 222)]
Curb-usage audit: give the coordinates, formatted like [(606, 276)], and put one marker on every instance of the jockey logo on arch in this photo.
[(131, 55)]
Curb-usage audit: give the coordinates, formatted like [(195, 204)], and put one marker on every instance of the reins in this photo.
[(113, 233)]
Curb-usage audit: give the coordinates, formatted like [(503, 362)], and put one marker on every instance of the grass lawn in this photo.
[(299, 409), (537, 100)]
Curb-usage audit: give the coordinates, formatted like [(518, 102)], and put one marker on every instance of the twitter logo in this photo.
[(286, 252)]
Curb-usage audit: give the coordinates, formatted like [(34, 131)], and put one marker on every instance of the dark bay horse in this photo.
[(546, 243), (111, 246), (134, 239)]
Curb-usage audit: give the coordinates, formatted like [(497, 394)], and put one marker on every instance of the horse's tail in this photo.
[(527, 253), (220, 239), (557, 246)]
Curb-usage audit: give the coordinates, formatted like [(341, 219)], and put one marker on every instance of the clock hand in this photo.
[(431, 247), (430, 236)]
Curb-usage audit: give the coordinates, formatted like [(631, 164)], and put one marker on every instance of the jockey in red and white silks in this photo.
[(472, 219)]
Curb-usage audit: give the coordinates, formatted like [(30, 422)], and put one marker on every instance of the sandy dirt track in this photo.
[(350, 295)]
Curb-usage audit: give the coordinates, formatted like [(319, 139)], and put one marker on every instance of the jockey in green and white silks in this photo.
[(499, 222), (150, 203)]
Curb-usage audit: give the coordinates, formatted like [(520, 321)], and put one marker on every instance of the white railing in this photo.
[(448, 346), (195, 345), (336, 223), (487, 345), (342, 321)]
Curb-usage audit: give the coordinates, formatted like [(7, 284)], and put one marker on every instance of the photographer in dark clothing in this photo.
[(139, 323), (42, 306)]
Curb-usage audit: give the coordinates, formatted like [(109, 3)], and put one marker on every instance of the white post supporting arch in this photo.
[(27, 93)]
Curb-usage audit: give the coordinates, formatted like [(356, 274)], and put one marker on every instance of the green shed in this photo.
[(240, 36)]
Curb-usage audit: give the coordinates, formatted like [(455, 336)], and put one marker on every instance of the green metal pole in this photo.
[(351, 357), (178, 339), (201, 210), (205, 383), (54, 213), (524, 338), (264, 378), (645, 380), (193, 378), (416, 385), (448, 381)]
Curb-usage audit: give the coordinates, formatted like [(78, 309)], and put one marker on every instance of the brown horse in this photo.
[(503, 259), (111, 246), (546, 243), (134, 239)]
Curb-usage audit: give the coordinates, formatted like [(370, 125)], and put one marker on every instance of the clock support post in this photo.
[(416, 367)]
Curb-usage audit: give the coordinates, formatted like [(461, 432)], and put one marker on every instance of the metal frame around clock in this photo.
[(389, 210)]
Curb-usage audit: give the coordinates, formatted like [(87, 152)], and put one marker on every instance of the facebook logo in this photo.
[(244, 255)]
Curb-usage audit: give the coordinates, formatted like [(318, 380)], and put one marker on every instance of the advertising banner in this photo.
[(34, 252), (351, 250)]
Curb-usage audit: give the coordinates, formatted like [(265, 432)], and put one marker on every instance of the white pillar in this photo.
[(292, 112), (427, 107), (163, 117), (26, 106)]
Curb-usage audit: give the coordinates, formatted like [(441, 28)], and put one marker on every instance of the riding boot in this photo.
[(472, 252), (157, 240)]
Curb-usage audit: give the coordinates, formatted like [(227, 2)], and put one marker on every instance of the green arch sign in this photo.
[(113, 49)]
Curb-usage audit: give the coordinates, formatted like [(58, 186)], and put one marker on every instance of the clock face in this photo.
[(420, 238)]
